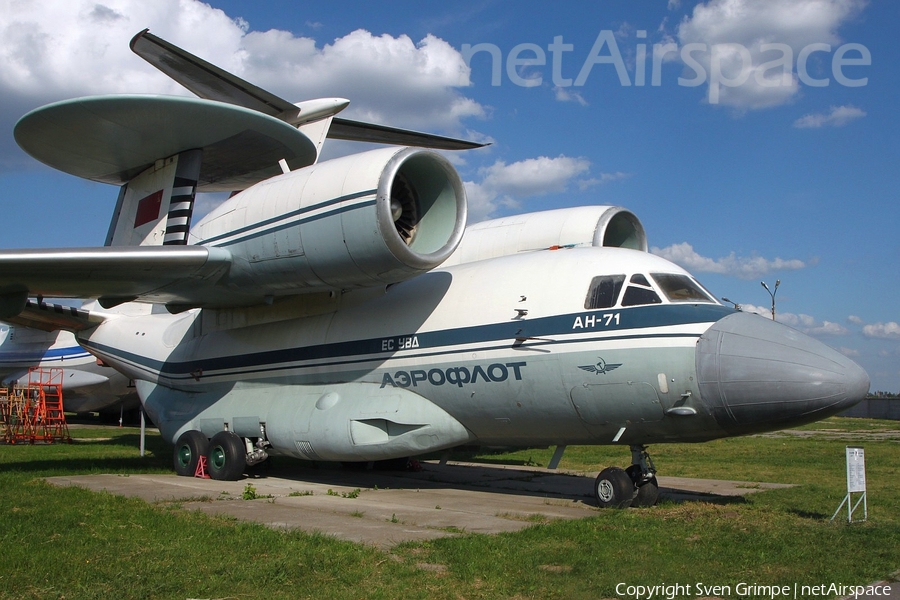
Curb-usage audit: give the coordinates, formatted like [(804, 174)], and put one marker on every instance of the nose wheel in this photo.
[(635, 486)]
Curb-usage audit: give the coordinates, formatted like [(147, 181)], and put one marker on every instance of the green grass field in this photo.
[(72, 543)]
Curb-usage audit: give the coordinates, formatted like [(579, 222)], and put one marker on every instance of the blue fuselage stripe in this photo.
[(49, 354), (432, 343)]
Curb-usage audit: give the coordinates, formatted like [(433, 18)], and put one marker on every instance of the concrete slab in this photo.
[(387, 508)]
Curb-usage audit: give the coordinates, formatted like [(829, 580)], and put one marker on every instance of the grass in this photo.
[(73, 543)]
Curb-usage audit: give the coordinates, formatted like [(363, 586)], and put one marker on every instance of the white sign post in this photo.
[(856, 483)]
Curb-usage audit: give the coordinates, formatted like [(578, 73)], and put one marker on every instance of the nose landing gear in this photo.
[(635, 486)]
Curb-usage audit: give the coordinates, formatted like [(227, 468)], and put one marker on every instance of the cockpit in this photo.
[(606, 291)]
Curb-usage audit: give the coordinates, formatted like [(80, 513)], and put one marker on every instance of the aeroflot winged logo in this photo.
[(601, 368)]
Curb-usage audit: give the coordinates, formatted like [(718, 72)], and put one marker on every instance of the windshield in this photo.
[(605, 290), (681, 288)]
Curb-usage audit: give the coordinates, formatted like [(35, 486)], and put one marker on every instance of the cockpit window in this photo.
[(640, 292), (681, 288), (640, 280), (604, 291)]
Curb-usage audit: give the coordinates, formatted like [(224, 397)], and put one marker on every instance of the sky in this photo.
[(754, 139)]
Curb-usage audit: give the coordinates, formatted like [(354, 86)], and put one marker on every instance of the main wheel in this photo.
[(226, 457), (614, 488), (647, 494), (191, 445), (647, 491)]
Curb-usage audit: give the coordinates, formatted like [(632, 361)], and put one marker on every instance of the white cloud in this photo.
[(506, 184), (837, 116), (567, 95), (802, 322), (855, 320), (604, 178), (57, 49), (741, 267), (827, 328), (736, 32), (888, 331), (388, 80)]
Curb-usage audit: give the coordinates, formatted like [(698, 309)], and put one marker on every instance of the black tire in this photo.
[(226, 458), (647, 495), (647, 491), (191, 445), (613, 488)]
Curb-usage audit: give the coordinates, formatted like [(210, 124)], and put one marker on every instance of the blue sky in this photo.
[(768, 150)]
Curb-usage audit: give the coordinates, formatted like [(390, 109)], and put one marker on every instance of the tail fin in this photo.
[(155, 208)]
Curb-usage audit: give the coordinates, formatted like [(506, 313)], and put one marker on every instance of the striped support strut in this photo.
[(178, 221), (181, 204)]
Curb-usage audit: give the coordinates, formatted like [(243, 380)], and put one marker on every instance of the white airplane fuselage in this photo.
[(87, 386), (342, 310), (499, 352)]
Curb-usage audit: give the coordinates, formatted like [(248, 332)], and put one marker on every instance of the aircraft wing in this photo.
[(174, 275), (212, 83)]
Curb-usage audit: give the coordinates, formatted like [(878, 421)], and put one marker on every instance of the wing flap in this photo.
[(52, 317)]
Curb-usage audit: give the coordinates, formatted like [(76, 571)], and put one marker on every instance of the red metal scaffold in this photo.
[(34, 412)]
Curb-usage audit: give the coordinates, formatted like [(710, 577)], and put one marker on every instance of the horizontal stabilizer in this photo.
[(357, 131), (203, 78), (213, 83)]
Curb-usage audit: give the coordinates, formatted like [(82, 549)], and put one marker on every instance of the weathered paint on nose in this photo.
[(758, 375)]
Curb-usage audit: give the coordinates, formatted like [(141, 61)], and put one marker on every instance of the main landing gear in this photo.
[(635, 486), (227, 454)]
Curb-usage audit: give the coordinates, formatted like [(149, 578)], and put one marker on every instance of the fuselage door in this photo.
[(616, 404)]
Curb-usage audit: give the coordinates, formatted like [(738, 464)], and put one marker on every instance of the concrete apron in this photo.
[(387, 508)]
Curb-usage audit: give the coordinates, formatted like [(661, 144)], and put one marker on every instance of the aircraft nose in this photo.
[(758, 375)]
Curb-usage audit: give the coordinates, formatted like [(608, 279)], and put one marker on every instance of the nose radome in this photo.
[(758, 375)]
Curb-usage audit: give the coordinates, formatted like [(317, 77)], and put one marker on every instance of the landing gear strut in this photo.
[(635, 486)]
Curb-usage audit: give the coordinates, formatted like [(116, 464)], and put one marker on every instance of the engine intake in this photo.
[(366, 219)]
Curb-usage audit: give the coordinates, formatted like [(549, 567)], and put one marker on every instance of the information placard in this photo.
[(856, 469)]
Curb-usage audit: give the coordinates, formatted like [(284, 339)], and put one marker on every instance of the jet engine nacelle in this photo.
[(611, 226), (362, 220)]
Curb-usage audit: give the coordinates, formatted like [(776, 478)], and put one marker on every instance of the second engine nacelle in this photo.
[(610, 226), (366, 219)]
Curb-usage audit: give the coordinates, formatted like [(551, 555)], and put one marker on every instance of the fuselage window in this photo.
[(604, 291), (639, 291), (681, 288)]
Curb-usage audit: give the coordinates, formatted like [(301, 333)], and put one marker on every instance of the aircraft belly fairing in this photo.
[(351, 421)]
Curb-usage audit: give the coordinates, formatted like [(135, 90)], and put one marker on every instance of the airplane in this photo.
[(87, 385), (341, 310)]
